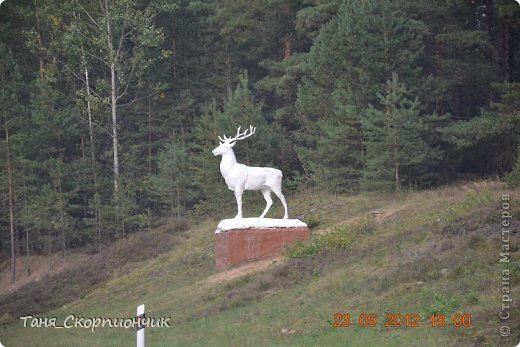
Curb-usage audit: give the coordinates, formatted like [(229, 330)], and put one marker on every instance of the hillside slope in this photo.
[(428, 251)]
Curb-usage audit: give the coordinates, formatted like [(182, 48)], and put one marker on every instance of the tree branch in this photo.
[(88, 15), (128, 82), (137, 99)]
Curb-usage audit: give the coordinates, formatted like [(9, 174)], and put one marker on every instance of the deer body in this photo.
[(240, 177)]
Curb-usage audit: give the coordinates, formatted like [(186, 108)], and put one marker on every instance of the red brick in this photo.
[(239, 245)]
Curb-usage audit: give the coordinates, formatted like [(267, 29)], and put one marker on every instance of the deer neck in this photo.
[(227, 163)]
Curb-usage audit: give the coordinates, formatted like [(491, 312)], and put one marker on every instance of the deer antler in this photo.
[(226, 139), (241, 136)]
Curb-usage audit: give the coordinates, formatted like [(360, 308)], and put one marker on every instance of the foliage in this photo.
[(172, 183), (184, 72), (496, 128), (442, 304), (349, 62), (513, 178), (341, 237), (396, 140)]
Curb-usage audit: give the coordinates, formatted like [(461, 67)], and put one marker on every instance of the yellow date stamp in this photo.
[(398, 320)]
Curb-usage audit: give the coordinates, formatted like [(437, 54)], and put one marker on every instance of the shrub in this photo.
[(442, 304), (471, 297), (513, 178), (138, 221), (341, 237), (472, 201), (313, 220), (180, 224)]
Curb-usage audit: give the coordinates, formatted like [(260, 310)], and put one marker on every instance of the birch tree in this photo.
[(119, 38)]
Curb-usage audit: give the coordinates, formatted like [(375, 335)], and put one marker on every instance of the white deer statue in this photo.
[(240, 177)]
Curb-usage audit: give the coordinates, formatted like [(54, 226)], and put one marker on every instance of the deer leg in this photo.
[(278, 192), (268, 200), (238, 197)]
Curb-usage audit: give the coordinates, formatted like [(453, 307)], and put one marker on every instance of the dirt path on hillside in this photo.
[(379, 216), (242, 270), (382, 215)]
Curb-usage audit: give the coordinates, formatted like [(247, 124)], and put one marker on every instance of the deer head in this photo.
[(226, 144)]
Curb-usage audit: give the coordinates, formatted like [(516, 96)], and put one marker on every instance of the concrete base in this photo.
[(239, 245)]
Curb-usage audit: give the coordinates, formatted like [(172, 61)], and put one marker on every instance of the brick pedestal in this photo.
[(239, 245)]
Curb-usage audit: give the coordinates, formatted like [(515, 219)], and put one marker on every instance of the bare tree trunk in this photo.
[(82, 147), (397, 186), (178, 201), (113, 103), (114, 128), (40, 39), (396, 164), (439, 102), (172, 200), (228, 70), (11, 205), (62, 207), (113, 100), (149, 139), (149, 214), (506, 51), (92, 155), (26, 213), (386, 60), (174, 53), (287, 46), (49, 248), (27, 262)]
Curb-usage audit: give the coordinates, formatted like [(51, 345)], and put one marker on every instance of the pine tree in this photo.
[(54, 129), (243, 39), (489, 141), (397, 153), (173, 181), (350, 61)]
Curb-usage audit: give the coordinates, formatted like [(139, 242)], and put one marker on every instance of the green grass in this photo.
[(341, 236), (397, 266)]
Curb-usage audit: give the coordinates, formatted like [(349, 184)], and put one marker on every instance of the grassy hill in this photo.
[(409, 253)]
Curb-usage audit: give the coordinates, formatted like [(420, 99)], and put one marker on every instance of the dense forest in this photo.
[(110, 108)]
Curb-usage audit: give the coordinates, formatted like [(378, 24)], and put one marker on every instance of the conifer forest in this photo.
[(110, 108)]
